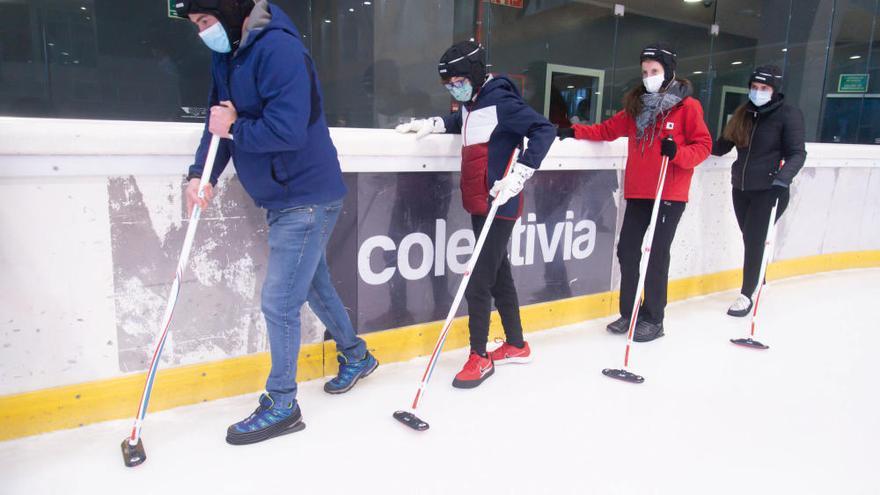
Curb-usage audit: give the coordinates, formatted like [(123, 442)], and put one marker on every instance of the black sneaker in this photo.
[(647, 331), (619, 326)]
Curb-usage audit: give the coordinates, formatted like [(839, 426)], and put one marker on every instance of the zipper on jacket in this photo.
[(464, 130), (742, 185)]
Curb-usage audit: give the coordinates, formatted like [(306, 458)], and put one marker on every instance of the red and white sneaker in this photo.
[(510, 354), (475, 371)]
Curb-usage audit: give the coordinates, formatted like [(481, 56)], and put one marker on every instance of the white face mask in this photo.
[(653, 83), (760, 98)]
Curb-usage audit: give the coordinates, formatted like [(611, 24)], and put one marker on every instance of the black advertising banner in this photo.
[(396, 257), (414, 240)]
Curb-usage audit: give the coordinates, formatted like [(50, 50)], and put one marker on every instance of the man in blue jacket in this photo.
[(492, 121), (267, 105)]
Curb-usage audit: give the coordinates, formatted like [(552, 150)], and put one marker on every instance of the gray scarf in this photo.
[(656, 106)]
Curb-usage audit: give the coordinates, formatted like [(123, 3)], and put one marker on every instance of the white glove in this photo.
[(511, 184), (423, 127)]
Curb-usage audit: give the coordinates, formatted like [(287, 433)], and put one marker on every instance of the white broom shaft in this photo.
[(481, 240), (175, 287), (459, 295), (647, 242), (766, 258)]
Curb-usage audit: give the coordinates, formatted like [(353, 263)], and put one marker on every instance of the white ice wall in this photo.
[(57, 310)]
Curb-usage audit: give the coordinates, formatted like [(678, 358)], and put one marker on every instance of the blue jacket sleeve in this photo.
[(453, 123), (517, 117), (284, 83), (223, 151)]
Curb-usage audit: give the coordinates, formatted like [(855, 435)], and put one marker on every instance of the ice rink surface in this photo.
[(711, 418)]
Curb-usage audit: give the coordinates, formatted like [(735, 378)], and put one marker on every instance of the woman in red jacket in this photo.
[(660, 108)]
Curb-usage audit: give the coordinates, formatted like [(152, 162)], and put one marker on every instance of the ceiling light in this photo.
[(697, 72), (736, 62), (855, 57)]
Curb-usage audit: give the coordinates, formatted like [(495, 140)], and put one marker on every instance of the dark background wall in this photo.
[(125, 59)]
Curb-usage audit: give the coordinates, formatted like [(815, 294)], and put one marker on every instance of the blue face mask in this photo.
[(216, 39), (461, 91), (760, 98)]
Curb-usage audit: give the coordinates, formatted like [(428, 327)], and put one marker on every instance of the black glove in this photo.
[(778, 191), (565, 132), (668, 148)]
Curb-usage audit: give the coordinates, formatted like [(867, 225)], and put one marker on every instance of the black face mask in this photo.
[(230, 13)]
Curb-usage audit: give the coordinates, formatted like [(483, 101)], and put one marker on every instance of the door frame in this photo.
[(739, 90), (577, 71)]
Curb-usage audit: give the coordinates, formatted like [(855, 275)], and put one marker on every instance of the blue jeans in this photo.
[(297, 273)]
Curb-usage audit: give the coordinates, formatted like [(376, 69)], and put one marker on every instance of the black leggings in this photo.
[(629, 252), (492, 279), (753, 215)]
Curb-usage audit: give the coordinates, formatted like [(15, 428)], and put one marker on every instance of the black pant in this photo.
[(753, 215), (492, 279), (629, 252)]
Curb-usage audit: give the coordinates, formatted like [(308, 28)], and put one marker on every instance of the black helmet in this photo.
[(663, 53), (770, 75), (230, 13), (465, 59)]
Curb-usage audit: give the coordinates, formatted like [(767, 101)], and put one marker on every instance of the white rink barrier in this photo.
[(61, 181)]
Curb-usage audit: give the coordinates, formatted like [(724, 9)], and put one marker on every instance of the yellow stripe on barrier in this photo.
[(70, 406), (77, 405)]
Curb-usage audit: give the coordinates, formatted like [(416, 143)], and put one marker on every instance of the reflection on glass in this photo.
[(847, 116), (376, 59)]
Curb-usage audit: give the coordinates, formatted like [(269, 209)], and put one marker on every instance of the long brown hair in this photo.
[(739, 128), (632, 100)]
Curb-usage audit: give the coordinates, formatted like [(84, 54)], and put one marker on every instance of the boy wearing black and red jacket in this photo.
[(493, 120)]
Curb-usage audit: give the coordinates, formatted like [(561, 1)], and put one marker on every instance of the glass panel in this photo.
[(566, 44), (752, 33), (122, 60), (870, 120), (377, 59), (809, 29), (125, 59), (847, 86), (23, 79), (685, 26)]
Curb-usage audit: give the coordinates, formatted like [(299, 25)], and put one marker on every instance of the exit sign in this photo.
[(852, 83), (172, 9), (517, 4)]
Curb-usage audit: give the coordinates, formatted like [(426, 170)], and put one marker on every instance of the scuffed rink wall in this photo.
[(218, 313), (92, 221)]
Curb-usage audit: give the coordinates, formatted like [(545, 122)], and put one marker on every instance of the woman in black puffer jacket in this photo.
[(769, 138)]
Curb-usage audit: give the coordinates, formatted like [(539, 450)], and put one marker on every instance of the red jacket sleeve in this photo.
[(611, 129), (697, 140)]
